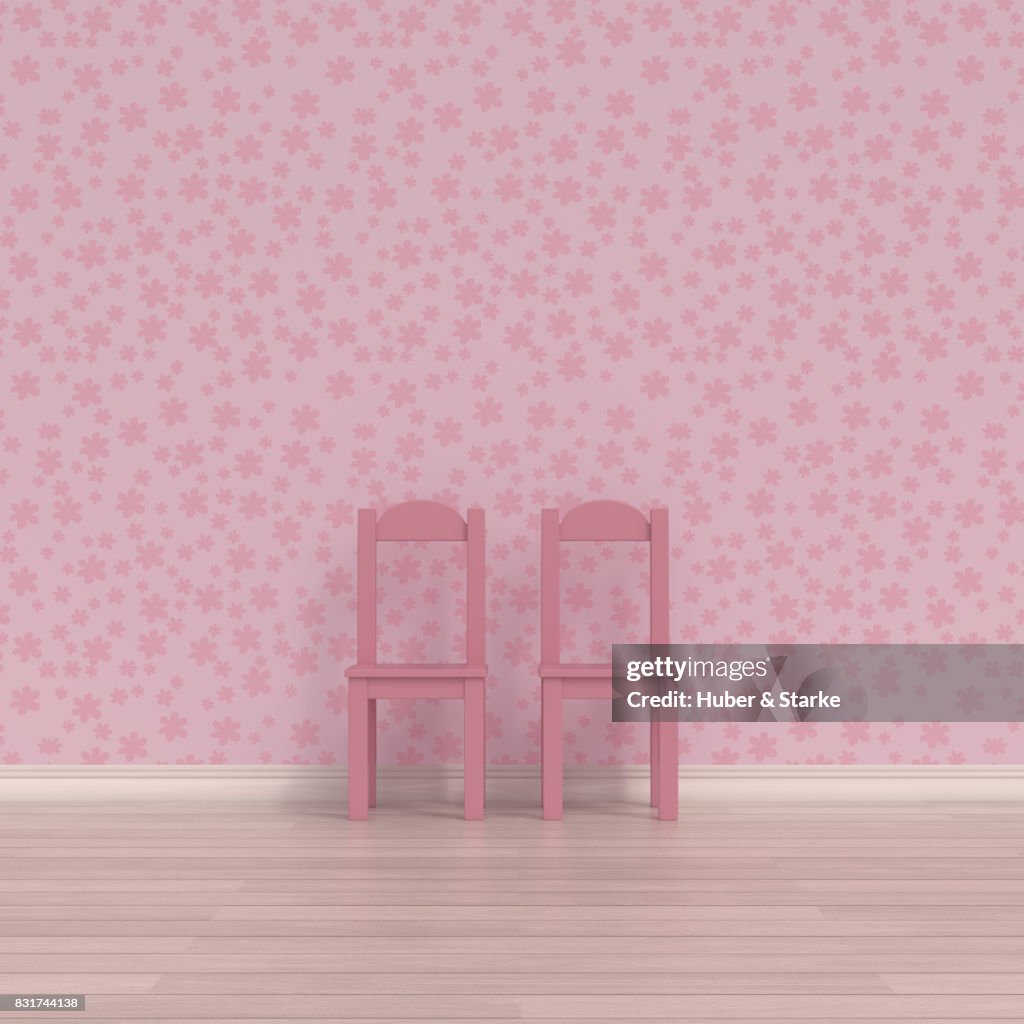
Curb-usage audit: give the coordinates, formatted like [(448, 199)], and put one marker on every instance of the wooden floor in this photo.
[(734, 913)]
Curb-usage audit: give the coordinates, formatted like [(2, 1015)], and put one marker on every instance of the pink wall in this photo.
[(266, 262)]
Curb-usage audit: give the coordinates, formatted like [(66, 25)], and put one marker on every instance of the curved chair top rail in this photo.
[(421, 520), (604, 520)]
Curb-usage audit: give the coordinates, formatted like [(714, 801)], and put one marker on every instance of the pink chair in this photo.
[(370, 681), (601, 521)]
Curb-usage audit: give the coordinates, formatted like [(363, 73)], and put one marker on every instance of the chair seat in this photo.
[(577, 670), (417, 671)]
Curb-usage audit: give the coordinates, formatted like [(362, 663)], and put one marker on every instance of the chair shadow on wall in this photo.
[(430, 792), (314, 701)]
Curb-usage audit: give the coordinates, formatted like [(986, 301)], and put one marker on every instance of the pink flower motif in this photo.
[(24, 700)]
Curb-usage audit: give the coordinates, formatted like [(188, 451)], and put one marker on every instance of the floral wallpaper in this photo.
[(263, 263)]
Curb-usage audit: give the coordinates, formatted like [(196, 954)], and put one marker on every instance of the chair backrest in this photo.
[(419, 520), (601, 521)]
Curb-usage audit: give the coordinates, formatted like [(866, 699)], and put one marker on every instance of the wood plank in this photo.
[(470, 932), (512, 946), (955, 983), (130, 911), (439, 855), (688, 901), (79, 984), (124, 885), (909, 962), (794, 1007), (98, 944), (593, 916), (517, 984)]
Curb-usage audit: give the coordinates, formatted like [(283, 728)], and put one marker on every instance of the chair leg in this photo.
[(654, 763), (475, 727), (551, 748), (371, 746), (358, 752), (668, 771)]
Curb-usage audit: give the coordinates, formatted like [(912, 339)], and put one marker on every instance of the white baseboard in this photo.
[(697, 784)]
